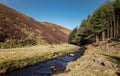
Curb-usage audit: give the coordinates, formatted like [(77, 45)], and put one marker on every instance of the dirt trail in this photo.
[(48, 68)]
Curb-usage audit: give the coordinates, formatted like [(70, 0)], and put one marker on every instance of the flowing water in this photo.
[(48, 68)]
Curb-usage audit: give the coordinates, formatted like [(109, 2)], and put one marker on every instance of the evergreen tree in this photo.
[(103, 25), (72, 36)]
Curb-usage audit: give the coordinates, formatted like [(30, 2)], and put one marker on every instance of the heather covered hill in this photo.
[(18, 30), (54, 33)]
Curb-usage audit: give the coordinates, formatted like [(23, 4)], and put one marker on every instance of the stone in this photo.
[(72, 55), (95, 54), (98, 61), (107, 63), (52, 67)]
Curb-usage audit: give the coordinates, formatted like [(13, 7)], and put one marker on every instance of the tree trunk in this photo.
[(111, 29), (117, 27), (97, 38), (103, 36), (108, 32), (114, 25)]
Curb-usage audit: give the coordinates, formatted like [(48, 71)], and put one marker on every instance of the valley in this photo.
[(34, 44)]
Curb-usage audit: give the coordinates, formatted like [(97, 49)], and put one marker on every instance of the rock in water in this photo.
[(72, 55)]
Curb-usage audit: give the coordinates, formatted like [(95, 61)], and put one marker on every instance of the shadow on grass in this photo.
[(114, 59), (118, 74)]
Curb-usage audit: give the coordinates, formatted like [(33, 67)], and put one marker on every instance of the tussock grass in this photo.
[(94, 62), (11, 59)]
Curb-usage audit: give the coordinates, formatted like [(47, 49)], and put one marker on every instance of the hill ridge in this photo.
[(17, 29)]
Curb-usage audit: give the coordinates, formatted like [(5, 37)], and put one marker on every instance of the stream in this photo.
[(48, 68)]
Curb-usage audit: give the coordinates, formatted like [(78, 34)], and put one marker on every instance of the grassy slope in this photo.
[(17, 30), (97, 61), (11, 59)]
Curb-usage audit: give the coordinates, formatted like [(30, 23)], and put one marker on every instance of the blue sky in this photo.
[(67, 13)]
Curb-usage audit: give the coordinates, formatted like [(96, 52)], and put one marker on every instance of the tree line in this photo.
[(102, 25)]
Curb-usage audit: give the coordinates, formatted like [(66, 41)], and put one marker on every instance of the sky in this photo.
[(67, 13)]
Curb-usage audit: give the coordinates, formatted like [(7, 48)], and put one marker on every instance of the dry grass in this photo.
[(95, 62), (11, 59)]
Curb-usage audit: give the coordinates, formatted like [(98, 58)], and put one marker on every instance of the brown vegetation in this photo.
[(20, 30), (96, 61)]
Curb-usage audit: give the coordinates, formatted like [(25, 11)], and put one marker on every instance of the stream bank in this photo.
[(48, 68)]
